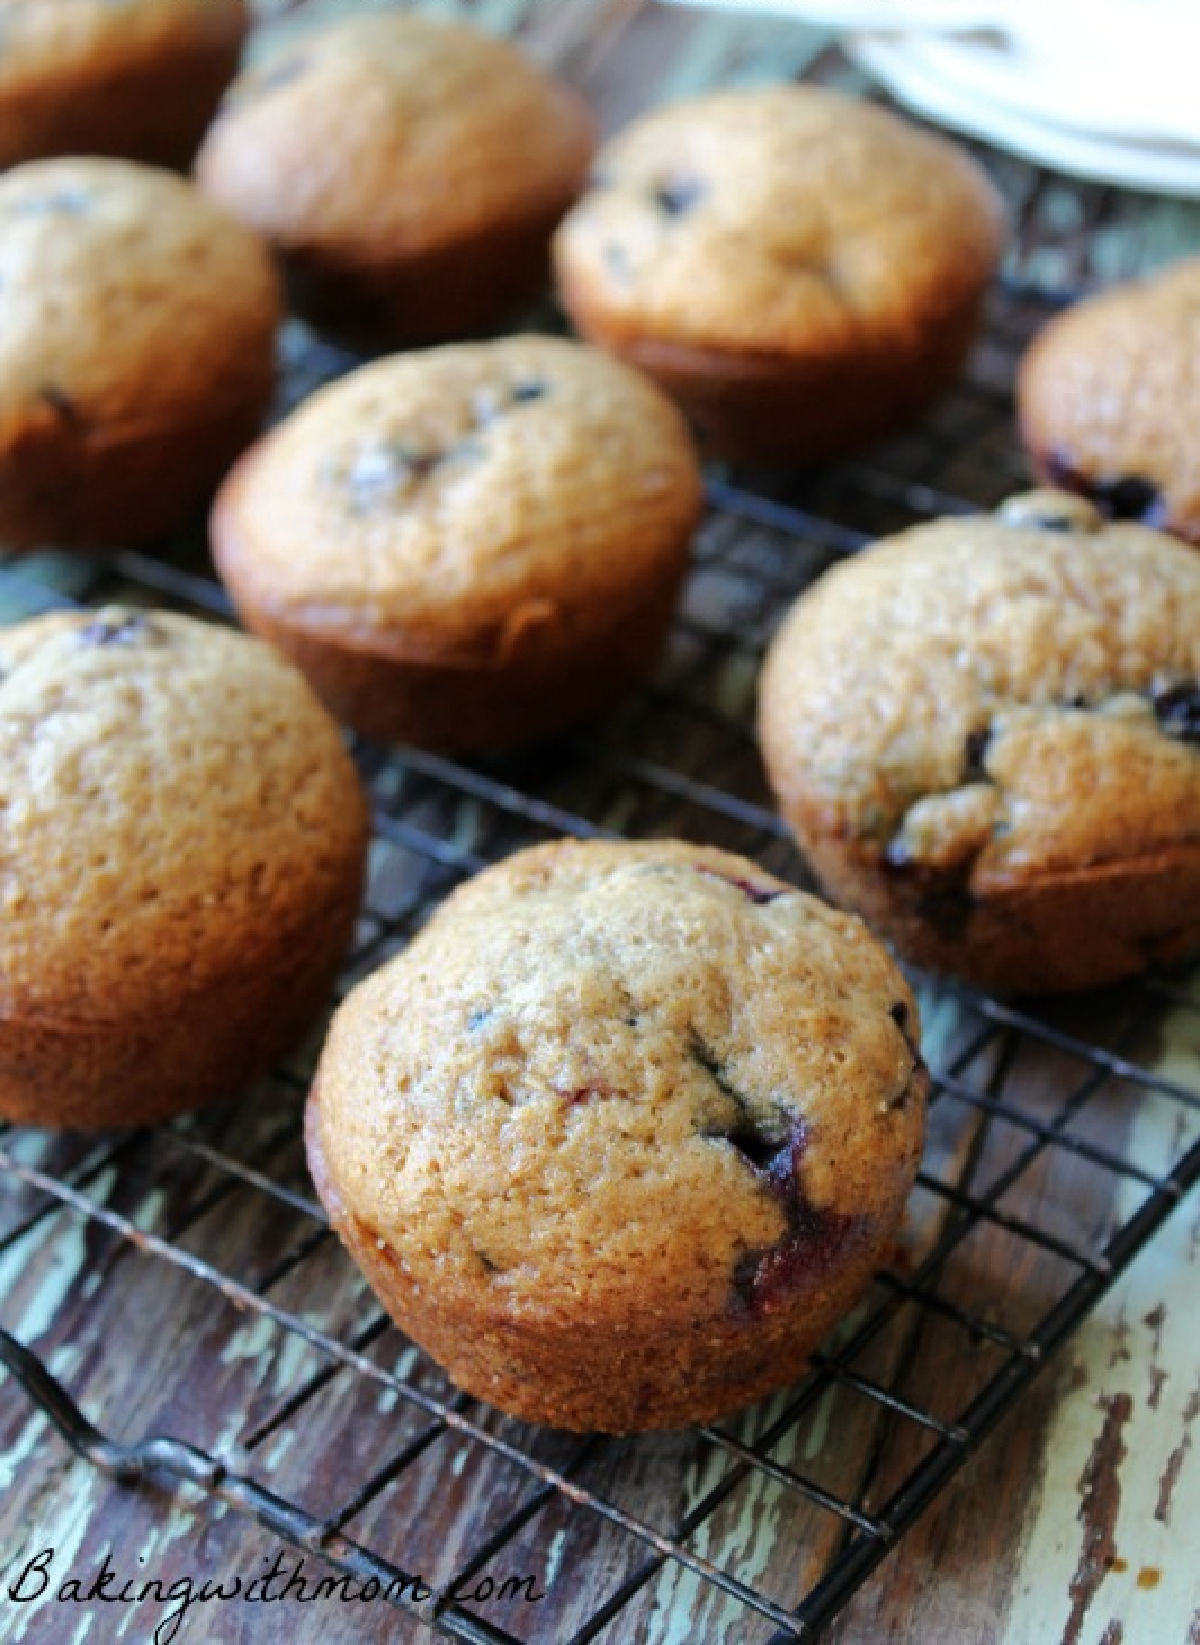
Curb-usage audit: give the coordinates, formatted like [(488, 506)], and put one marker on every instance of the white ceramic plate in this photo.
[(1101, 88)]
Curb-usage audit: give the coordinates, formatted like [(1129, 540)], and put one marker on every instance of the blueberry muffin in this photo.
[(1109, 400), (410, 172), (985, 733), (623, 1132), (137, 331), (136, 78), (468, 547), (182, 839), (800, 270)]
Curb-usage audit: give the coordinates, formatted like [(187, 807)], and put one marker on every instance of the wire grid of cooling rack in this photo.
[(1034, 1195)]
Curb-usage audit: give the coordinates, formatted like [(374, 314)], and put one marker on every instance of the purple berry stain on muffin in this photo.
[(1177, 710), (74, 202), (676, 196), (123, 631), (1118, 497), (758, 894), (765, 1280), (772, 1146), (597, 1091)]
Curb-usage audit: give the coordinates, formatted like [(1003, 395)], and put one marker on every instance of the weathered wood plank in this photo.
[(1096, 1465)]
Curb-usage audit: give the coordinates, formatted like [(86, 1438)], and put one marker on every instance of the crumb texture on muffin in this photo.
[(439, 127), (1108, 399), (449, 499), (140, 78), (643, 1093), (470, 546), (780, 220), (408, 170), (182, 839), (985, 706), (125, 297), (137, 337)]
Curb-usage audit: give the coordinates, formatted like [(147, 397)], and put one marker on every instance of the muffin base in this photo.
[(68, 484), (764, 407), (438, 295), (459, 708), (1050, 935), (606, 1376), (155, 110), (94, 1075)]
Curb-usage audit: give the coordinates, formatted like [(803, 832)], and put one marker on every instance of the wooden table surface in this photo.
[(1074, 1524)]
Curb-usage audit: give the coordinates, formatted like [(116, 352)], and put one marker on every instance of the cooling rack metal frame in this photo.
[(678, 757)]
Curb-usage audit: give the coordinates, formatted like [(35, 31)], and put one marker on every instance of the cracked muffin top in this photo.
[(125, 297), (1018, 690), (787, 218), (1109, 399), (394, 133), (623, 1080), (173, 803), (455, 502)]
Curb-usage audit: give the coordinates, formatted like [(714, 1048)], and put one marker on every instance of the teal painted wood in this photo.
[(1071, 1527)]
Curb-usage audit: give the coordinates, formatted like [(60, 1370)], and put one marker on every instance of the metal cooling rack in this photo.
[(1035, 1195)]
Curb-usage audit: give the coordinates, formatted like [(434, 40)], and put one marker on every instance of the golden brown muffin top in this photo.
[(1109, 398), (393, 134), (1019, 690), (782, 219), (622, 1077), (57, 39), (172, 800), (453, 502), (125, 296)]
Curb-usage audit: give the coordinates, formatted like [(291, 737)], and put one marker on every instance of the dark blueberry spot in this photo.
[(759, 1147), (756, 893), (476, 1019), (895, 854), (1177, 709), (488, 1266), (948, 907), (1119, 497), (276, 75), (523, 393), (379, 473), (616, 260), (975, 749), (942, 896), (1079, 702), (704, 1057), (62, 405), (72, 202), (675, 196), (900, 1016), (121, 631)]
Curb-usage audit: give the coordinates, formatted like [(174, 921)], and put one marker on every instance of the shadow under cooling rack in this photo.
[(288, 1396)]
